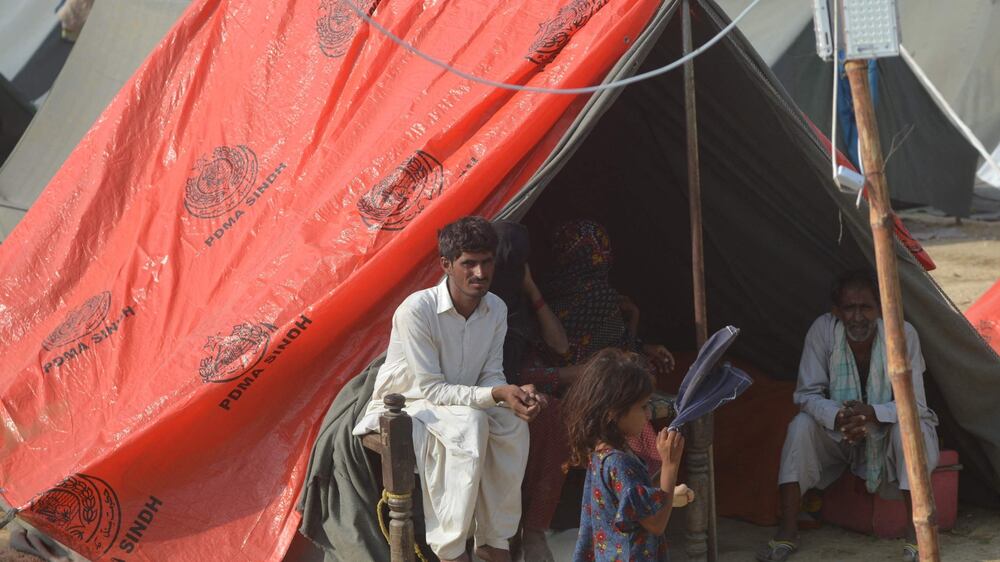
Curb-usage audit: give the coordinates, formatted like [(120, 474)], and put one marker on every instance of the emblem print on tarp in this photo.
[(553, 35), (403, 194), (230, 357), (80, 321), (220, 181), (337, 24), (84, 507)]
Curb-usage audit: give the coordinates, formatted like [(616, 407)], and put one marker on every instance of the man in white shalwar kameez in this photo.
[(470, 427), (848, 412)]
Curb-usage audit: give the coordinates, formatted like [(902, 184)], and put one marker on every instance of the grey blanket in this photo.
[(342, 486)]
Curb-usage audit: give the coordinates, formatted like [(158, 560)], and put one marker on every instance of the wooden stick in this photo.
[(701, 535), (398, 461), (880, 211)]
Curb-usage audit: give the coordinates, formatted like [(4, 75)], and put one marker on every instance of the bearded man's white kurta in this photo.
[(815, 453), (470, 452)]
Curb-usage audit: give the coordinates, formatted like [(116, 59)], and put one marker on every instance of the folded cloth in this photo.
[(708, 385)]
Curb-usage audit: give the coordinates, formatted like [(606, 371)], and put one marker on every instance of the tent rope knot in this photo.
[(386, 496)]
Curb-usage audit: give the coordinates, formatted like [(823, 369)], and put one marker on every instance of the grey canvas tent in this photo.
[(118, 36), (777, 229), (15, 115), (933, 108)]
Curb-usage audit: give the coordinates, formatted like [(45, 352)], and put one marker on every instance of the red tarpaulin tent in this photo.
[(246, 213), (985, 316)]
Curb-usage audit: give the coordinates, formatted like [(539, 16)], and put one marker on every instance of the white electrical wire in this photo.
[(585, 90)]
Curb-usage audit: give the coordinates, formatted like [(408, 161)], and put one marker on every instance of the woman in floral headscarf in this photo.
[(593, 316)]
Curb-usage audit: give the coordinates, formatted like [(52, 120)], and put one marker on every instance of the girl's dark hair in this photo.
[(611, 383)]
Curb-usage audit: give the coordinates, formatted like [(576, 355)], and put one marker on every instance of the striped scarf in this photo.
[(845, 384)]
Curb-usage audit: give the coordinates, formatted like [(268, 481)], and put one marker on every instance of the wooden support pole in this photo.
[(701, 535), (398, 462), (880, 218)]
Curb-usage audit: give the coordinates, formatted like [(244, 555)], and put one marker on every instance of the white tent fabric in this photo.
[(958, 46), (988, 173), (955, 43), (117, 38), (772, 26), (24, 25)]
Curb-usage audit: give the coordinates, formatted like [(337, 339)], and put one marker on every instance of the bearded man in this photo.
[(848, 412)]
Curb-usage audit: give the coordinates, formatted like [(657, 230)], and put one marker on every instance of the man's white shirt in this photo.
[(813, 386), (438, 357)]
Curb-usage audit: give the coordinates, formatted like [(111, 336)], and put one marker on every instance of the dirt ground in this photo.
[(967, 254), (976, 537), (968, 260)]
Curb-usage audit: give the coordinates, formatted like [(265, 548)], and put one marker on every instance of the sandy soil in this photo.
[(976, 537), (967, 254), (8, 555)]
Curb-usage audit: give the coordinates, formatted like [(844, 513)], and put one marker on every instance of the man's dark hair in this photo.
[(855, 279), (467, 234)]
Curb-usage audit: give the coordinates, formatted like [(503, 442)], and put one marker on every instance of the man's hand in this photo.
[(853, 419), (663, 360), (535, 398), (525, 401)]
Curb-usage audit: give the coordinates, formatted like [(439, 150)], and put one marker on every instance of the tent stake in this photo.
[(879, 216), (701, 532)]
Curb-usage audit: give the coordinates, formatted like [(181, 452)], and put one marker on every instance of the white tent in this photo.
[(952, 49), (24, 25), (117, 38)]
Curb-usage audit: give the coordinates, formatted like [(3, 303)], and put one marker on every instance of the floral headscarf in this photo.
[(581, 295)]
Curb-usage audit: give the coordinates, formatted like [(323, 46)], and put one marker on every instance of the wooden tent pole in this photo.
[(701, 535), (880, 218)]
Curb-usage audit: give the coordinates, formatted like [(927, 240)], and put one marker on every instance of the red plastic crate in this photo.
[(848, 504)]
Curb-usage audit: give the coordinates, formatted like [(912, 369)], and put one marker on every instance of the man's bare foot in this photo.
[(493, 554), (463, 558), (535, 547)]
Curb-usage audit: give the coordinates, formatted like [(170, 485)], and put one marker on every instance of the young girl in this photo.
[(623, 515)]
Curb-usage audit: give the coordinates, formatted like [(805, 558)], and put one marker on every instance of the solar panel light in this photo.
[(821, 27), (867, 29)]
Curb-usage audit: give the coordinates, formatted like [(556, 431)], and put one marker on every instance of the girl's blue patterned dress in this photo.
[(616, 495)]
